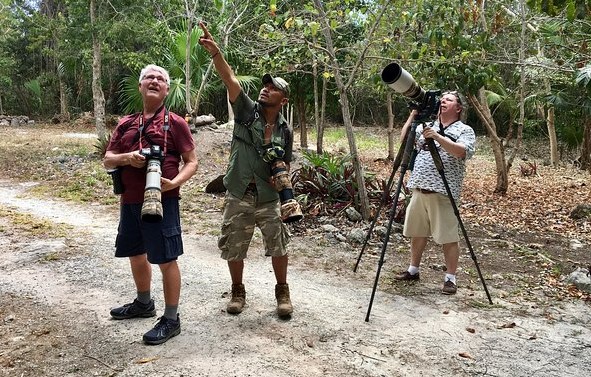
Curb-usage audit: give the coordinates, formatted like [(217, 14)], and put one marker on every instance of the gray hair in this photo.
[(154, 67)]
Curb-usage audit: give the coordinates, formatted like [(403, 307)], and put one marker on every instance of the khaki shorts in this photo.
[(431, 215), (240, 216)]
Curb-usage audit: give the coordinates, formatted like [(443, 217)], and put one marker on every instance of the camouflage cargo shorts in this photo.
[(240, 216)]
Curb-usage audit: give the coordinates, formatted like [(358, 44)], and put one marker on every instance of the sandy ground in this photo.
[(54, 316)]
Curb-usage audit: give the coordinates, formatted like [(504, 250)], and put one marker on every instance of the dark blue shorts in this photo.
[(161, 241)]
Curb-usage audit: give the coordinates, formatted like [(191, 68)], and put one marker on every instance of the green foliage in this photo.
[(34, 87), (584, 76), (130, 98), (571, 135), (572, 8), (326, 179), (175, 101), (328, 182), (101, 145)]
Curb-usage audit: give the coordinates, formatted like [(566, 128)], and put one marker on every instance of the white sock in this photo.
[(413, 270), (450, 277)]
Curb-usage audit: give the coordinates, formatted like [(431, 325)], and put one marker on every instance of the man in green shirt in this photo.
[(251, 199)]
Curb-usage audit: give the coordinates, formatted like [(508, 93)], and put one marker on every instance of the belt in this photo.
[(423, 191)]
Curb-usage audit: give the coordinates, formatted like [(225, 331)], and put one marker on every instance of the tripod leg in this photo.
[(385, 244), (378, 210), (439, 165), (409, 147), (402, 157)]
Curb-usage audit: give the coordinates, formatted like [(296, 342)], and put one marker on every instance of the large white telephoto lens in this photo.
[(402, 82)]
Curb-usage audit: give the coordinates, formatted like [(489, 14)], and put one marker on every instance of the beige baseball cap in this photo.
[(278, 82)]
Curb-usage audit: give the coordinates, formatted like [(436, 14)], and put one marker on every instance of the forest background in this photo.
[(523, 65)]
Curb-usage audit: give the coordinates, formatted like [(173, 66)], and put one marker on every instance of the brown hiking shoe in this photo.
[(449, 288), (284, 308), (407, 276), (236, 304)]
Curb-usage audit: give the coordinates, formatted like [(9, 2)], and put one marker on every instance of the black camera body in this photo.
[(154, 152), (152, 206), (290, 208)]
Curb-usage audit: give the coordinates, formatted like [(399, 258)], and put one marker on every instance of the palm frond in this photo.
[(584, 76), (130, 98)]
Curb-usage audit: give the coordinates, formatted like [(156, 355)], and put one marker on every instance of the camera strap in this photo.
[(248, 124), (144, 128), (442, 131)]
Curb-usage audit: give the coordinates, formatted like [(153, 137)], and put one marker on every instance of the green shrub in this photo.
[(101, 144), (326, 183)]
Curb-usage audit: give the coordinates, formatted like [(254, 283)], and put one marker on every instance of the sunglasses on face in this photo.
[(456, 94)]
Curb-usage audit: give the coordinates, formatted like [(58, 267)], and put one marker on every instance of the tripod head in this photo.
[(428, 107)]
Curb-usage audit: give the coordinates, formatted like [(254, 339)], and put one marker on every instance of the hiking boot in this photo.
[(284, 308), (165, 329), (449, 288), (407, 276), (134, 309), (238, 300)]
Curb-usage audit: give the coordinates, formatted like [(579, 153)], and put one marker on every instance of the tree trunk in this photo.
[(345, 109), (188, 63), (290, 111), (301, 103), (359, 176), (316, 94), (98, 96), (552, 135), (480, 105), (585, 157), (391, 154), (320, 130), (65, 114), (63, 100), (522, 83), (551, 127)]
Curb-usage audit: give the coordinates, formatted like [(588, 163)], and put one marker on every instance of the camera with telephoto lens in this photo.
[(152, 207), (290, 208), (425, 102)]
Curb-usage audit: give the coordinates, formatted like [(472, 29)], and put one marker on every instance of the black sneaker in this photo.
[(135, 309), (165, 329)]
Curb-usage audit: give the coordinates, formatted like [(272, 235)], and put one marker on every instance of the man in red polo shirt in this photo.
[(146, 243)]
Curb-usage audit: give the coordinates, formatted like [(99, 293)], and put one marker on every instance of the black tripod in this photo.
[(408, 144)]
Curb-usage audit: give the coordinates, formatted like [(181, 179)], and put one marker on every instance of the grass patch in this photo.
[(65, 167), (51, 257), (336, 138), (34, 226)]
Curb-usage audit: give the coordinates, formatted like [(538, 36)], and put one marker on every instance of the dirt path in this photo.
[(55, 294)]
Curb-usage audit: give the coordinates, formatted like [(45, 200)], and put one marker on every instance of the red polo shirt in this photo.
[(126, 138)]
